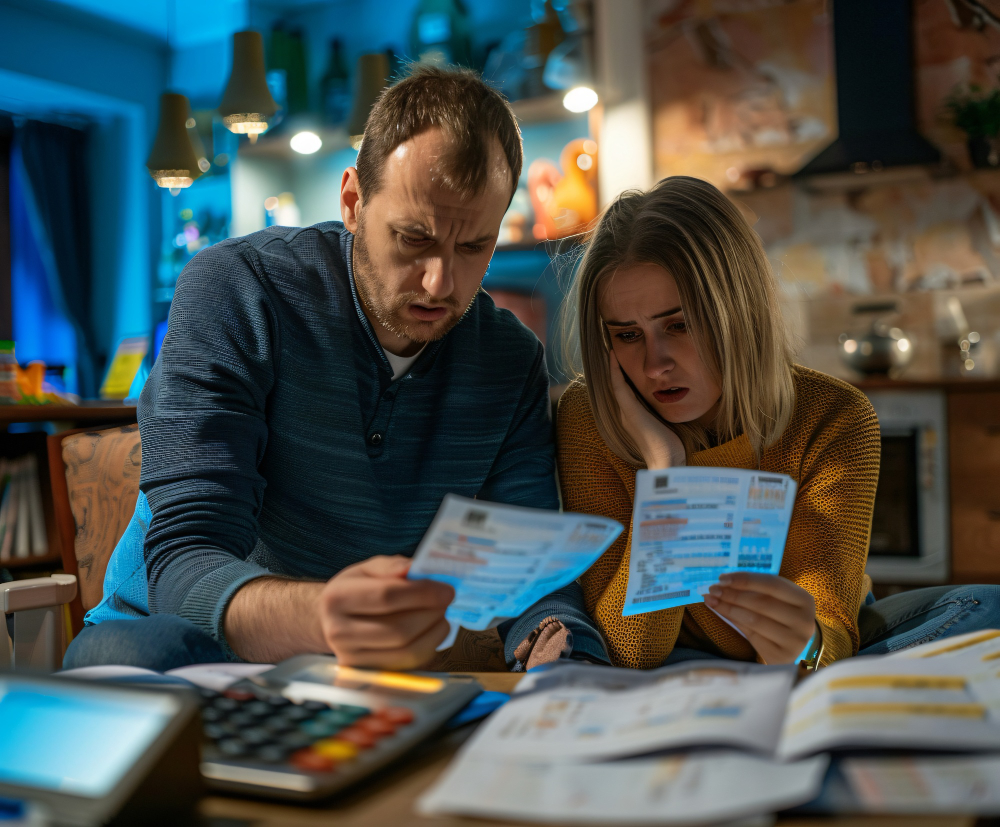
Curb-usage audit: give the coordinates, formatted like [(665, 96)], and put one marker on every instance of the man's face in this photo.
[(421, 249)]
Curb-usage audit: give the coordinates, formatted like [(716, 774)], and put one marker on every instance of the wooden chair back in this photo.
[(95, 485)]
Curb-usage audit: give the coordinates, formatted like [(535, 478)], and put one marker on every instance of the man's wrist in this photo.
[(273, 618)]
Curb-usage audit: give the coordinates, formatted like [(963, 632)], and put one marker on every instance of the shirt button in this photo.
[(375, 439)]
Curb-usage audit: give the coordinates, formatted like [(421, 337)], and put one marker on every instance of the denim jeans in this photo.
[(911, 618), (163, 642)]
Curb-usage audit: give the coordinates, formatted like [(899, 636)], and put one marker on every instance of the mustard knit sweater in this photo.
[(831, 448)]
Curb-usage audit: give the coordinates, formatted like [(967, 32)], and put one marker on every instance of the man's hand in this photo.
[(657, 442), (777, 617), (371, 615)]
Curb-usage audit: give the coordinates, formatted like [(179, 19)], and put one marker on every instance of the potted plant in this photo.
[(976, 111)]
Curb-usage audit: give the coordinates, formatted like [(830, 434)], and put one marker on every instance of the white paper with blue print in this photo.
[(690, 525), (501, 559)]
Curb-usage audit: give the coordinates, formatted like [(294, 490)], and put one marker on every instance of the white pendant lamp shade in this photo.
[(247, 107), (172, 161), (370, 80)]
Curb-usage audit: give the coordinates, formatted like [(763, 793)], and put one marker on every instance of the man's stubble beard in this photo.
[(388, 310)]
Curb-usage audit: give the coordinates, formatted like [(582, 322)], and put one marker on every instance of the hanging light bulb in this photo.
[(247, 107), (370, 80), (172, 161)]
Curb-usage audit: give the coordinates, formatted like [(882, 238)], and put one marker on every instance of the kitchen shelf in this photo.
[(87, 412)]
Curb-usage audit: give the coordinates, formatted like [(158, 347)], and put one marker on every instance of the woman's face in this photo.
[(641, 307)]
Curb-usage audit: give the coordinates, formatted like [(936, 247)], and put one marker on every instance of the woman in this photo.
[(686, 359)]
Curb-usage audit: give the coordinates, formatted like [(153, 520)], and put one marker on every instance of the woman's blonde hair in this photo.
[(730, 302)]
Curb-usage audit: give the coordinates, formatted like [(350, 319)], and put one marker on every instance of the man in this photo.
[(318, 393)]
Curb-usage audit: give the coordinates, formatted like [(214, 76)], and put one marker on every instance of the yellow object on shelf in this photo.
[(124, 366)]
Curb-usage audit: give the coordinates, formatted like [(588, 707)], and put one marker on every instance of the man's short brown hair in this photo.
[(458, 101)]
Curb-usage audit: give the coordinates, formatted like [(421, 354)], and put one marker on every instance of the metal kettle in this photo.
[(884, 350)]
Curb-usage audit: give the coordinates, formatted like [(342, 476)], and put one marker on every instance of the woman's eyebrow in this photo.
[(669, 312)]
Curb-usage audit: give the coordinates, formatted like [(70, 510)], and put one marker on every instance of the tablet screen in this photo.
[(74, 739)]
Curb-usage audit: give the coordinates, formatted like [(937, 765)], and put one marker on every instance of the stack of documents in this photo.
[(581, 740)]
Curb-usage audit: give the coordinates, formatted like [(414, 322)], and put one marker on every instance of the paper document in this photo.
[(951, 784), (501, 559), (580, 712), (690, 525), (890, 703), (681, 789)]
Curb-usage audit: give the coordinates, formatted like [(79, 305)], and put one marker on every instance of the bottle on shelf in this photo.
[(10, 394), (335, 87)]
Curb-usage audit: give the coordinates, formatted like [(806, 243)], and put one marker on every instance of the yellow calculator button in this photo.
[(335, 749)]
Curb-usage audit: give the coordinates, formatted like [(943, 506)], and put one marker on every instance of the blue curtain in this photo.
[(55, 164)]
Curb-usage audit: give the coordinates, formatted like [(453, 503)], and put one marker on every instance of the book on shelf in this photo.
[(22, 521)]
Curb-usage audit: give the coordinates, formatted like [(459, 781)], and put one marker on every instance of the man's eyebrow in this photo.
[(481, 240), (665, 313), (408, 227)]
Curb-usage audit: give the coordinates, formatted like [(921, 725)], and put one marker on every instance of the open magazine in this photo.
[(942, 698)]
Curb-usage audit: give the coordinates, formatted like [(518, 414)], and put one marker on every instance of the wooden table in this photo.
[(390, 799)]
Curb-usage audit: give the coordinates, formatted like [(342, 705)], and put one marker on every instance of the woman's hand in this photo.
[(659, 445), (777, 617)]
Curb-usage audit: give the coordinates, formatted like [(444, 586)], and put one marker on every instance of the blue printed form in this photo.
[(690, 525), (501, 559)]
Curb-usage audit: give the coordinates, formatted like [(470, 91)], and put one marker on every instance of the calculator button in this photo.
[(319, 728), (271, 753), (379, 727), (277, 701), (218, 731), (233, 747), (336, 749), (241, 719), (225, 704), (259, 708), (256, 736), (210, 714), (309, 761), (277, 724), (399, 715), (296, 739), (356, 711), (296, 713), (239, 694), (315, 706), (337, 717), (208, 694), (359, 737)]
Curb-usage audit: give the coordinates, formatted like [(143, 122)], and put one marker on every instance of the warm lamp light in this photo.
[(580, 99), (172, 161), (370, 80), (247, 107)]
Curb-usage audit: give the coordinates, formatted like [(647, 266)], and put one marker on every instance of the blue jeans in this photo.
[(163, 642), (911, 618)]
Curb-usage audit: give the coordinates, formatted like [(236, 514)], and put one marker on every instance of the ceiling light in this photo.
[(306, 143), (580, 99), (172, 161), (247, 107)]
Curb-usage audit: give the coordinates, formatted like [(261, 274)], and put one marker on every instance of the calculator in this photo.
[(311, 727)]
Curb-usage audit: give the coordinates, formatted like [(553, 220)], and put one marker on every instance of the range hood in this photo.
[(873, 54)]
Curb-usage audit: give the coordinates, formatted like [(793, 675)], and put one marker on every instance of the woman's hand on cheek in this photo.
[(659, 445), (777, 617)]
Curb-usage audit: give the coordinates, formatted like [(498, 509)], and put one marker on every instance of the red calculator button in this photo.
[(379, 727), (357, 736), (398, 715), (239, 694), (306, 759)]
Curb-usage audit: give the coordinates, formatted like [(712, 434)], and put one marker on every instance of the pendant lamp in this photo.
[(172, 161), (247, 107), (369, 81)]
